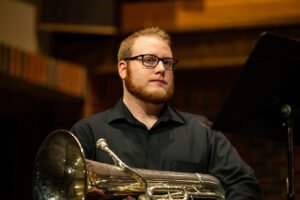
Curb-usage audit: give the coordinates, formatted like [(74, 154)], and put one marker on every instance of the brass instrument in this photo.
[(62, 173)]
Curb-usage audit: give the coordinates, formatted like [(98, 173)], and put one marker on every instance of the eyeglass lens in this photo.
[(152, 61)]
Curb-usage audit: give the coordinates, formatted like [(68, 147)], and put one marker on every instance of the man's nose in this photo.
[(160, 66)]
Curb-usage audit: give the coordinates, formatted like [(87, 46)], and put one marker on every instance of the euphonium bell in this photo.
[(62, 173)]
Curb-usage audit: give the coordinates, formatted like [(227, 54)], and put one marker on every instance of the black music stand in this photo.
[(265, 100)]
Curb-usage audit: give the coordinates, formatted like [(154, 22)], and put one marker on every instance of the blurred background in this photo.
[(58, 62)]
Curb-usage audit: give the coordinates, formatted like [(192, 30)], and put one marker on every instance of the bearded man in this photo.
[(146, 132)]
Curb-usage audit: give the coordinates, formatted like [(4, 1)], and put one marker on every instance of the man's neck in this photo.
[(145, 112)]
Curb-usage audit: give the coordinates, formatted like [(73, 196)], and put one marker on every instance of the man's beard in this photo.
[(154, 97)]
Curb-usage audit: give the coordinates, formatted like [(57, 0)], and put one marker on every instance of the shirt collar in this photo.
[(121, 112)]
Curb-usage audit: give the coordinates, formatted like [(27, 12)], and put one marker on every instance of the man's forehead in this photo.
[(148, 42)]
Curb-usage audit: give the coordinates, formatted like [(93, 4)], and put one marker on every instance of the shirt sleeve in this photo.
[(83, 133), (236, 176)]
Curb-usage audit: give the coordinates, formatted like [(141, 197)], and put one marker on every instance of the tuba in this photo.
[(62, 173)]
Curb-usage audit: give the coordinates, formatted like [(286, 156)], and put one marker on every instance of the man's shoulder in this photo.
[(95, 118), (189, 117)]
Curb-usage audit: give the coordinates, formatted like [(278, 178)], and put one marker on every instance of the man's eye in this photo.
[(149, 59), (167, 62)]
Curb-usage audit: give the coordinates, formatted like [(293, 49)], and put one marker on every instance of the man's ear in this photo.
[(122, 68)]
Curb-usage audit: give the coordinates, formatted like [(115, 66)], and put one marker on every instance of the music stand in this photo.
[(265, 100)]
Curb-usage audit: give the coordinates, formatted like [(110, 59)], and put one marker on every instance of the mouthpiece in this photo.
[(101, 144)]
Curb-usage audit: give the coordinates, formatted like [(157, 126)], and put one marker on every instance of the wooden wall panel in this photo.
[(209, 14), (215, 14)]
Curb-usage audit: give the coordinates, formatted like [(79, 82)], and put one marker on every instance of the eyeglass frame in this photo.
[(158, 59)]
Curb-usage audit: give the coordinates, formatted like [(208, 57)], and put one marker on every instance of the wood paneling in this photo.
[(206, 15)]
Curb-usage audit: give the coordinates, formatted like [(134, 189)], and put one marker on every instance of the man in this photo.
[(146, 132)]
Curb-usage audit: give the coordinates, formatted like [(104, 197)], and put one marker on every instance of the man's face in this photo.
[(150, 85)]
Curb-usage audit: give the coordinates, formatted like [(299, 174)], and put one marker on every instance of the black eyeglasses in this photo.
[(151, 61)]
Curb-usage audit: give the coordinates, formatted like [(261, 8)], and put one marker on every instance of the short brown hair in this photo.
[(125, 49)]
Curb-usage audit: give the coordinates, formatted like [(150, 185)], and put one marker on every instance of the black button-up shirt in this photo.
[(178, 141)]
